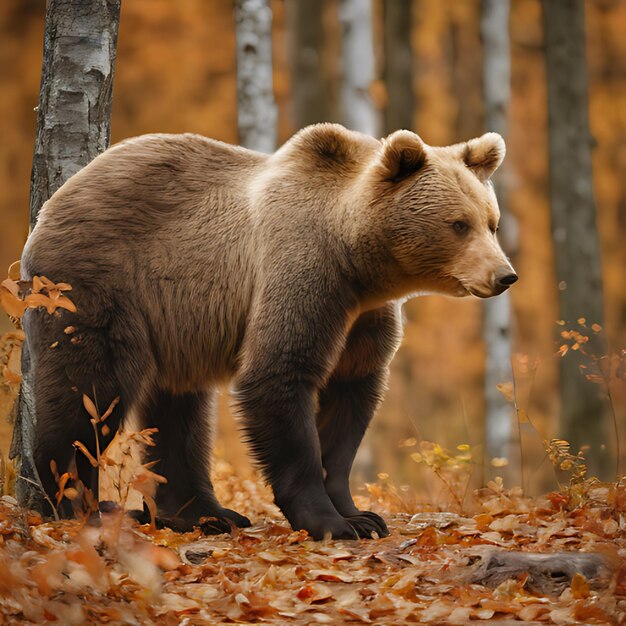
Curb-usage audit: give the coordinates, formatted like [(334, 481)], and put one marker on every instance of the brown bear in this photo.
[(194, 262)]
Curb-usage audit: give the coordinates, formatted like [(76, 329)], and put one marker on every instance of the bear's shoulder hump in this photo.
[(333, 144)]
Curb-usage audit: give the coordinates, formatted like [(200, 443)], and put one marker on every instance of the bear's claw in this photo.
[(367, 522), (210, 524)]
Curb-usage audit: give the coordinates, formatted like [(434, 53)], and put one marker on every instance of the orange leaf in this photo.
[(585, 613), (90, 407), (65, 303), (331, 576), (62, 481), (579, 586), (37, 284), (83, 449), (13, 305), (11, 286), (35, 300), (507, 390), (70, 493), (110, 409)]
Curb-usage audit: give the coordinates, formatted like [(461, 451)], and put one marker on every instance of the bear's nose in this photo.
[(506, 280)]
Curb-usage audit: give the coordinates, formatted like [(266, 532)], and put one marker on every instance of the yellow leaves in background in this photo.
[(562, 459)]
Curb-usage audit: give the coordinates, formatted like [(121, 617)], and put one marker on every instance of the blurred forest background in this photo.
[(176, 71)]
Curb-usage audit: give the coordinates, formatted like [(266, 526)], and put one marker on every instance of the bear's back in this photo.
[(145, 189)]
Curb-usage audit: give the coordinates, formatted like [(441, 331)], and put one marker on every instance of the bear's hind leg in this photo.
[(348, 403), (182, 452), (62, 418)]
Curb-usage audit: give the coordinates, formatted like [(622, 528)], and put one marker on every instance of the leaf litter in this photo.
[(118, 571)]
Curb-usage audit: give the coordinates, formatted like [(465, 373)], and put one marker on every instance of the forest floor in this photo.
[(434, 568)]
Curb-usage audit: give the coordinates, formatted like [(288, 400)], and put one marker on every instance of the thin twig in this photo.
[(45, 495)]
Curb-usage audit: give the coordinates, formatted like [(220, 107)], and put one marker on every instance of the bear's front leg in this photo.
[(349, 401), (279, 419), (290, 347)]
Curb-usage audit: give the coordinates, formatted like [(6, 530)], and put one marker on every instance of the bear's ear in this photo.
[(403, 154), (484, 155)]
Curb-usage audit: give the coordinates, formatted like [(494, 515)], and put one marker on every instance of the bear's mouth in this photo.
[(460, 290), (464, 290)]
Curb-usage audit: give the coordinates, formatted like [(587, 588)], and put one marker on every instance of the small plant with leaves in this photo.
[(560, 455), (454, 470), (120, 460)]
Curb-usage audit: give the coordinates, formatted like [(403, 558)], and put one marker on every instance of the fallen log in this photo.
[(547, 573)]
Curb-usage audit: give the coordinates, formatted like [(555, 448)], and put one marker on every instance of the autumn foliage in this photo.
[(428, 571)]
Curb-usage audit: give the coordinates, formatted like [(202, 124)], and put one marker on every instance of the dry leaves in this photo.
[(124, 573), (18, 295)]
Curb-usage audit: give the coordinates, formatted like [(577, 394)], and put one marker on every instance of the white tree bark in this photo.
[(494, 28), (358, 113), (74, 112), (256, 115), (73, 127), (357, 57)]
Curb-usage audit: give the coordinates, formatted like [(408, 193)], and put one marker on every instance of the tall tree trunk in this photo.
[(357, 58), (494, 29), (256, 116), (308, 83), (74, 112), (398, 70), (573, 210), (73, 127), (358, 113)]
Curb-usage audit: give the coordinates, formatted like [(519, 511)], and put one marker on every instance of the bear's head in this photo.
[(440, 214)]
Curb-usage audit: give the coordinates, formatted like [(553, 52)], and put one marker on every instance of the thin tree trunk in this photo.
[(398, 70), (494, 28), (357, 57), (308, 83), (256, 117), (73, 127), (574, 230), (358, 113)]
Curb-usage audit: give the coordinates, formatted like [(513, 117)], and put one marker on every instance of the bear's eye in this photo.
[(460, 227)]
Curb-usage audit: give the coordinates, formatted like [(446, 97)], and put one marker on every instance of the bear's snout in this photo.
[(504, 279)]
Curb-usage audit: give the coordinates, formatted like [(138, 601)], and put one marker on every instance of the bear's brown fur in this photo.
[(194, 262)]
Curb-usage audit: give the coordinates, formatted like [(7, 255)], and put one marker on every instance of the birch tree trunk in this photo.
[(308, 85), (574, 230), (398, 71), (494, 29), (357, 58), (73, 127), (256, 113), (359, 113)]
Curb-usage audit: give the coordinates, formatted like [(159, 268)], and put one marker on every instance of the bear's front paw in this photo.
[(328, 527), (223, 522), (367, 522)]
